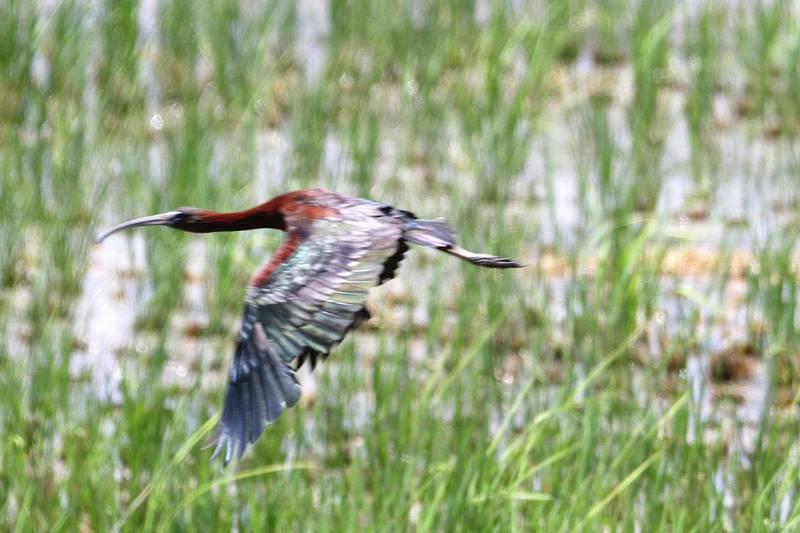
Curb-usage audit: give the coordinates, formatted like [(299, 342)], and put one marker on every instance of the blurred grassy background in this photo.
[(641, 156)]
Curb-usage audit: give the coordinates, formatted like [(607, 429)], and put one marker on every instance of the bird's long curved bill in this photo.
[(153, 220)]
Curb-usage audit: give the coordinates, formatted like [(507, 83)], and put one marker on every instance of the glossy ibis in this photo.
[(304, 300)]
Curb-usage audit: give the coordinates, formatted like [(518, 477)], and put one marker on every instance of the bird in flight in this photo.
[(305, 299)]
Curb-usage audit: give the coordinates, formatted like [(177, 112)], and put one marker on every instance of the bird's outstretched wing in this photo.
[(301, 305)]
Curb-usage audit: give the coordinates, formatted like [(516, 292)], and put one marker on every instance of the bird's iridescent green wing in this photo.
[(313, 295)]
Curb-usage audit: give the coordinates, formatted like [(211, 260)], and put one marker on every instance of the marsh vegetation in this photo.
[(642, 157)]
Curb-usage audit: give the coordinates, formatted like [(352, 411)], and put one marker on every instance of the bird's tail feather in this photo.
[(431, 233), (438, 234)]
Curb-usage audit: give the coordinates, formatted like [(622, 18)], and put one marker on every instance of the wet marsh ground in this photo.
[(642, 158)]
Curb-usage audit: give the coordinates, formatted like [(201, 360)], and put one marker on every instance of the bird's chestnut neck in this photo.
[(205, 221)]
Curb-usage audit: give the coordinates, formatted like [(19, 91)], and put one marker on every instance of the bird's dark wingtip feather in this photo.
[(261, 387), (221, 440)]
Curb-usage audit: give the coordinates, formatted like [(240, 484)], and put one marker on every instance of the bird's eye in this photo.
[(179, 217)]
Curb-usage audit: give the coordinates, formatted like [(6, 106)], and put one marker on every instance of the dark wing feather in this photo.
[(303, 309), (391, 265)]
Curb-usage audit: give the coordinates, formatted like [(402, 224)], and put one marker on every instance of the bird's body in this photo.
[(304, 300)]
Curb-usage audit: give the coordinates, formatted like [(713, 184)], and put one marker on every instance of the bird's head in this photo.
[(184, 218)]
